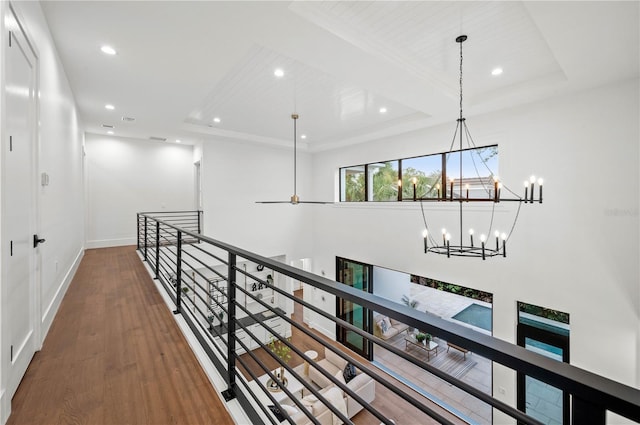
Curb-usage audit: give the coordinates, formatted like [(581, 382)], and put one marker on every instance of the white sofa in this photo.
[(392, 327), (362, 384)]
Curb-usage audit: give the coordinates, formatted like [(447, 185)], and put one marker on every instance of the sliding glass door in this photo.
[(546, 332), (358, 276)]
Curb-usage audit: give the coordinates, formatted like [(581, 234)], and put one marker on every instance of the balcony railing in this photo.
[(236, 302)]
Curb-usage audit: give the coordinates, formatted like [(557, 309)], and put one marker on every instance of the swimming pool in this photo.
[(475, 315)]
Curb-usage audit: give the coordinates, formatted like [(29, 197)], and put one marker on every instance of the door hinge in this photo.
[(11, 249), (10, 143), (11, 353)]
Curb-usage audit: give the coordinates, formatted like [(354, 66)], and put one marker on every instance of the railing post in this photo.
[(157, 248), (138, 231), (145, 238), (583, 412), (229, 393), (178, 309)]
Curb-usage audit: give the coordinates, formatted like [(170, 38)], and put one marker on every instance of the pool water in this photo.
[(476, 315)]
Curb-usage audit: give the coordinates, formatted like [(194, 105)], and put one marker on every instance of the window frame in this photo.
[(400, 197)]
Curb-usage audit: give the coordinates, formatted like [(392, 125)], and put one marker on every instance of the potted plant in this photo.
[(280, 349), (420, 337), (409, 302)]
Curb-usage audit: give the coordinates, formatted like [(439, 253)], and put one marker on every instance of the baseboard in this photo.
[(331, 334), (107, 243), (5, 407), (51, 310)]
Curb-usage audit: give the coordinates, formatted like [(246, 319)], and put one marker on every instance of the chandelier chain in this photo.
[(460, 80)]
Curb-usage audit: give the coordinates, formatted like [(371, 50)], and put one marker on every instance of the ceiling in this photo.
[(179, 65)]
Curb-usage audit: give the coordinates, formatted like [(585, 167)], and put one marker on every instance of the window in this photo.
[(384, 181), (478, 168), (423, 177), (425, 172), (352, 184)]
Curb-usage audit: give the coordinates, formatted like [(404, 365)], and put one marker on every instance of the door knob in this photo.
[(37, 241)]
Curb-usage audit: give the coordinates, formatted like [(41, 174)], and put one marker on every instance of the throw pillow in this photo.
[(289, 409), (383, 326), (276, 412), (387, 323), (349, 372)]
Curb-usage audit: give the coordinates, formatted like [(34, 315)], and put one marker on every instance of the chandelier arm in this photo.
[(473, 144), (515, 220), (512, 192), (493, 211), (424, 219), (475, 167)]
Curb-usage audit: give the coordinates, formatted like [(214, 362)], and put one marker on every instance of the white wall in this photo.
[(126, 176), (391, 284), (236, 174), (578, 252), (61, 219)]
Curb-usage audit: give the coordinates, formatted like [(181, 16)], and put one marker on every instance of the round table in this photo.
[(313, 355)]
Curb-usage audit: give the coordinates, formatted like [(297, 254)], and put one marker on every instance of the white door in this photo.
[(18, 205)]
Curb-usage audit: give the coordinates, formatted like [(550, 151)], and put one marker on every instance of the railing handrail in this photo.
[(588, 386)]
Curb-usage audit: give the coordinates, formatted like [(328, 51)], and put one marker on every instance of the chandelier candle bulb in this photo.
[(448, 237), (438, 187), (415, 181), (495, 190), (526, 192), (497, 240), (499, 190), (471, 236), (532, 180), (444, 236), (452, 181), (425, 233), (504, 244), (540, 181), (467, 187)]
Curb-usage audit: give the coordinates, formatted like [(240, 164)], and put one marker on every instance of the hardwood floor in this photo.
[(114, 355)]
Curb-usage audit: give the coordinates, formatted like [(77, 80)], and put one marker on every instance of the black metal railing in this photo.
[(237, 302)]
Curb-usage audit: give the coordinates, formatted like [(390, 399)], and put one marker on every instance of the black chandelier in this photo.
[(492, 193)]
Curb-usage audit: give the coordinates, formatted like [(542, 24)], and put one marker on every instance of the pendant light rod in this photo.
[(295, 198)]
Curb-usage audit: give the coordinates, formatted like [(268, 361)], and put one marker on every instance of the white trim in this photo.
[(107, 243), (5, 407), (52, 309)]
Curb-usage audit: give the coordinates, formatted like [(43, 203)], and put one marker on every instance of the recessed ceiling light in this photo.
[(496, 71), (216, 120), (383, 110), (178, 141), (109, 132), (304, 136), (107, 126), (128, 119), (108, 50), (109, 107), (278, 73)]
